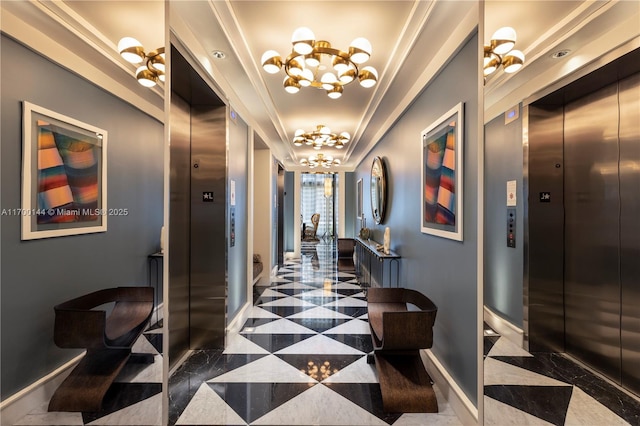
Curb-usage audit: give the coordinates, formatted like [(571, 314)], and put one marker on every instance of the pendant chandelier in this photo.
[(320, 137), (499, 52), (153, 69), (320, 160), (315, 63)]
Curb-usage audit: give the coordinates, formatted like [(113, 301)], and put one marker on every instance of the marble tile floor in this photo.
[(135, 397), (300, 359), (548, 389)]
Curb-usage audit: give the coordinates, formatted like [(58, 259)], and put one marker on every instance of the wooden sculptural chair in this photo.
[(83, 323), (310, 231), (398, 334)]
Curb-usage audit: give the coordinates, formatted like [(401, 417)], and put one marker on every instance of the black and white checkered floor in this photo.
[(548, 389)]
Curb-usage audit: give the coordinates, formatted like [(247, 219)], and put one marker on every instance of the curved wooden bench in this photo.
[(398, 334), (107, 339)]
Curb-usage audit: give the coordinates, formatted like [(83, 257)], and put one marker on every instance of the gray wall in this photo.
[(503, 265), (237, 160), (442, 269), (37, 274), (289, 211), (349, 205)]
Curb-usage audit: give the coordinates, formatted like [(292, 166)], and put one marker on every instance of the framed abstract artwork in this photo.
[(442, 175), (64, 175)]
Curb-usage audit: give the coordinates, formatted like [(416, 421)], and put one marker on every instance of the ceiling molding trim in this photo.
[(18, 23), (447, 51), (415, 24)]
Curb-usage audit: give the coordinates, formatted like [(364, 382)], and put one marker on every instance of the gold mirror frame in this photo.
[(378, 190)]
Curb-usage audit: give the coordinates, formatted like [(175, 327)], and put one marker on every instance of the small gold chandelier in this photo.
[(320, 160), (309, 57), (320, 137), (499, 52), (153, 70)]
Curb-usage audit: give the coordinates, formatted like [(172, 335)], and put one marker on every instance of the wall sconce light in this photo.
[(153, 68), (499, 52)]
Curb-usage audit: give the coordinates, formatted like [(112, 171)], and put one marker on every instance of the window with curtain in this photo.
[(319, 195)]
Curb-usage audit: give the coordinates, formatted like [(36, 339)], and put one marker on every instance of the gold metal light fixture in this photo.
[(320, 160), (321, 136), (500, 51), (317, 64), (153, 67)]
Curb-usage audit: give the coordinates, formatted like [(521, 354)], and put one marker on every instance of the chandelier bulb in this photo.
[(131, 50), (360, 50), (303, 40), (368, 77), (271, 61)]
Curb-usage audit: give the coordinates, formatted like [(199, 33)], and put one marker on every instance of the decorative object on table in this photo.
[(378, 190), (442, 175), (365, 233), (163, 240), (64, 175), (387, 240)]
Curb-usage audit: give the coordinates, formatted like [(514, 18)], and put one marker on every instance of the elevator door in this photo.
[(602, 231)]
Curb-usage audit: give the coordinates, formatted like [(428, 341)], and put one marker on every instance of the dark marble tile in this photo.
[(366, 395), (122, 395), (255, 322), (253, 400), (361, 342), (562, 368), (319, 367), (318, 301), (275, 342), (348, 291), (319, 324), (293, 291), (285, 311), (489, 341), (549, 403), (155, 339), (349, 310), (262, 299)]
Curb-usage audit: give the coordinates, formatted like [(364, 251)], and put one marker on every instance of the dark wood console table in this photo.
[(371, 263)]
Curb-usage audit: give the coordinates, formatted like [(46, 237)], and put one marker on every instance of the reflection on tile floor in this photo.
[(300, 358), (547, 389)]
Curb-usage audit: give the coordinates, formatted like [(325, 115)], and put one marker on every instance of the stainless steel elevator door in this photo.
[(592, 223), (630, 230)]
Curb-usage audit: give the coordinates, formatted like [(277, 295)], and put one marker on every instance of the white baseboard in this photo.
[(240, 318), (504, 327), (35, 395), (464, 408)]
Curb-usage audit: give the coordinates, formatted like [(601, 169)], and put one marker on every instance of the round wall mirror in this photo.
[(378, 190)]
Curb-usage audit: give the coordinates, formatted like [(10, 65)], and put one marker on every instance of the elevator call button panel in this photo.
[(511, 228)]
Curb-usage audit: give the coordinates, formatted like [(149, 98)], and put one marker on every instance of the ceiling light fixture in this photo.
[(309, 57), (320, 137), (153, 69), (499, 52), (320, 160)]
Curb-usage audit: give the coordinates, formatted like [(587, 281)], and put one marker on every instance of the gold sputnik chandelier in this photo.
[(310, 61), (499, 52), (320, 160), (320, 137), (153, 68)]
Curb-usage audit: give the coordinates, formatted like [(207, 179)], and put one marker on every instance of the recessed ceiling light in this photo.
[(218, 54), (560, 53)]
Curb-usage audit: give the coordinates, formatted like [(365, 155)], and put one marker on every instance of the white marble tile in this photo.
[(347, 285), (269, 369), (505, 347), (501, 373), (355, 326), (364, 317), (288, 301), (237, 344), (142, 373), (498, 413), (321, 292), (584, 410), (207, 408), (422, 419), (278, 279), (40, 416), (319, 406), (143, 346), (356, 372), (258, 312), (147, 412), (345, 275), (319, 345), (282, 326), (289, 274), (292, 285), (320, 312), (269, 292)]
